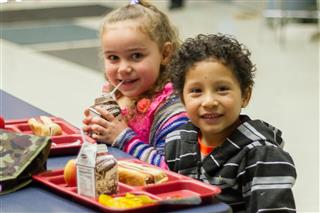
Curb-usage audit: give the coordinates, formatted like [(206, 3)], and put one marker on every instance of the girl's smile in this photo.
[(128, 84), (130, 56)]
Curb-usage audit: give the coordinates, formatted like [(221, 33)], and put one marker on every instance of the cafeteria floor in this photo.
[(51, 61)]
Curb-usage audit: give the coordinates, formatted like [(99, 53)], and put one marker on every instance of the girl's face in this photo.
[(213, 100), (130, 56)]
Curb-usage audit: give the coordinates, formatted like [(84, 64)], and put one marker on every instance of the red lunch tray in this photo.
[(171, 194), (68, 143)]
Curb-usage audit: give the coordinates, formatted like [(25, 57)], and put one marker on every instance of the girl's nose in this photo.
[(124, 68)]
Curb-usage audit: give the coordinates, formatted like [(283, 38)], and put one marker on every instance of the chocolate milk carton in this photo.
[(96, 171), (108, 102)]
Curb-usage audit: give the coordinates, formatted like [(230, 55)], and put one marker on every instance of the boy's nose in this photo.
[(210, 101)]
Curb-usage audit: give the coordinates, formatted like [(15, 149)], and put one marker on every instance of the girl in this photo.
[(214, 77), (137, 42)]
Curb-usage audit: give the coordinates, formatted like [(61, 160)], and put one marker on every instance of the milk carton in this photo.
[(96, 171), (107, 102)]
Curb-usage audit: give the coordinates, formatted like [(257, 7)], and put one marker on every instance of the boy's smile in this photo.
[(211, 118), (213, 100)]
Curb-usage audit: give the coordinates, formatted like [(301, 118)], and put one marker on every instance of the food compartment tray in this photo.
[(178, 192), (68, 143), (22, 126), (54, 180), (179, 189)]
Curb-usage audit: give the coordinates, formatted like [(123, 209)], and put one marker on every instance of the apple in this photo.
[(2, 122), (70, 173)]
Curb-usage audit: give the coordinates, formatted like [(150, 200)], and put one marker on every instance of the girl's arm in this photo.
[(167, 119)]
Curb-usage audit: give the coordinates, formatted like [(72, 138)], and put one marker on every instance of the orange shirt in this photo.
[(204, 149)]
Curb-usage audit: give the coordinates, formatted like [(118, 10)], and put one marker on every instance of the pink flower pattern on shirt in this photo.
[(142, 117)]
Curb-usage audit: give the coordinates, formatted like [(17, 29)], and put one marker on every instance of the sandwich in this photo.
[(44, 126), (135, 174)]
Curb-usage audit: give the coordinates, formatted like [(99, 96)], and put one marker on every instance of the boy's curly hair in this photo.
[(222, 48)]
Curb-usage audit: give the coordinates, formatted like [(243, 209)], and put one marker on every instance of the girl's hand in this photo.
[(87, 122), (107, 128)]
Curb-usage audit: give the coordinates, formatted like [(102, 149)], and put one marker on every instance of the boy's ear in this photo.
[(166, 53), (246, 97)]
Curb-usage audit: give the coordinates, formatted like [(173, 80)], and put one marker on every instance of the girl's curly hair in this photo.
[(222, 48)]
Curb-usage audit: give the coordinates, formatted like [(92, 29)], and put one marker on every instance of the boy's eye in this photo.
[(136, 56), (195, 90), (223, 89)]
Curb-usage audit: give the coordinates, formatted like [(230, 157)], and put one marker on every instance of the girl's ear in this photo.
[(166, 53), (246, 97)]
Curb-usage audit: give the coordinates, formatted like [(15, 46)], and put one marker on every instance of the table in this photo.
[(36, 198)]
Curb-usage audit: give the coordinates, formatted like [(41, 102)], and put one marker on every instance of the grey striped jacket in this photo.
[(251, 167)]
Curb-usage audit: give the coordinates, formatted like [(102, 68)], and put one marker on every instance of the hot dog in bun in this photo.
[(135, 174)]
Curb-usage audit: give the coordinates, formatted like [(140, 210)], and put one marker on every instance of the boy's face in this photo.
[(213, 100)]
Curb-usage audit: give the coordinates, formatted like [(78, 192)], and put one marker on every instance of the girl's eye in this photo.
[(112, 57), (136, 56)]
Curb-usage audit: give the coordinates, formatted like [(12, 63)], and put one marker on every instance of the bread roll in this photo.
[(44, 126), (55, 129)]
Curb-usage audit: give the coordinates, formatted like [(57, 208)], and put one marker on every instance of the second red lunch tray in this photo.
[(69, 142), (178, 192)]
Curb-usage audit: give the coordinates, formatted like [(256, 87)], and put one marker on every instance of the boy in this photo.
[(214, 77)]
